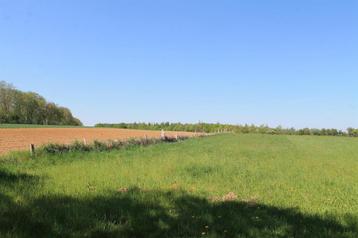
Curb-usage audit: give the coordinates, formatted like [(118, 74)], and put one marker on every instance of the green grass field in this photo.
[(221, 186)]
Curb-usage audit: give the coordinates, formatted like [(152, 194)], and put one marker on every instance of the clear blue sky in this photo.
[(289, 63)]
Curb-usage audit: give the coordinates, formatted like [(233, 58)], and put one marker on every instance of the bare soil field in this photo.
[(21, 138)]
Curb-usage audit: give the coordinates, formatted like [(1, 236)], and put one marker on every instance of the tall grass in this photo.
[(219, 186)]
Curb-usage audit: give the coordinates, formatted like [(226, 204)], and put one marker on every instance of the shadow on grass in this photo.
[(8, 178), (136, 213)]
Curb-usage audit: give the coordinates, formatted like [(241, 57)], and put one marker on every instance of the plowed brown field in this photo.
[(20, 139)]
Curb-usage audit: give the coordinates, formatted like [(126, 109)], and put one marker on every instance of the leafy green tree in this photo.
[(31, 108)]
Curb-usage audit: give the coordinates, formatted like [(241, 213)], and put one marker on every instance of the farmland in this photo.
[(218, 186), (12, 139)]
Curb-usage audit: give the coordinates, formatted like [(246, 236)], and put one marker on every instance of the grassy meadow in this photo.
[(220, 186)]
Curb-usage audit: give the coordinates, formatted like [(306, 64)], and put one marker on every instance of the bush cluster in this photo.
[(78, 146)]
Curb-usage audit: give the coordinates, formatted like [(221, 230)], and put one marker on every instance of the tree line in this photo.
[(216, 127), (17, 107)]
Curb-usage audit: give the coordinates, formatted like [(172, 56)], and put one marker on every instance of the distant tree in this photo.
[(7, 92), (352, 132), (217, 127), (31, 108)]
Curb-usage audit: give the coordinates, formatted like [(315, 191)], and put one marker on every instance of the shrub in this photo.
[(78, 146), (100, 146), (55, 148)]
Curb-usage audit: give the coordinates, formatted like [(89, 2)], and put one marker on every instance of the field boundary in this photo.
[(17, 139)]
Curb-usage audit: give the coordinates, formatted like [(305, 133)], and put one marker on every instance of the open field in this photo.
[(19, 138), (253, 186)]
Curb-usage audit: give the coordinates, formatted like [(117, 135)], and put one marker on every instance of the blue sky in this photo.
[(289, 63)]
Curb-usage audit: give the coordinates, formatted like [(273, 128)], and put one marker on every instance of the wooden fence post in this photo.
[(32, 149), (162, 134)]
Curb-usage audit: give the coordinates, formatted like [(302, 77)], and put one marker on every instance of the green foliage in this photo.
[(352, 132), (18, 107), (100, 146), (217, 128), (280, 186), (109, 145), (55, 148)]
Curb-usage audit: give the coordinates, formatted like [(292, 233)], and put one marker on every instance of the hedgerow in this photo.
[(77, 146)]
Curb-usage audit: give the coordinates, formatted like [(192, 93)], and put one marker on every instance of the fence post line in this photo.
[(162, 134), (84, 141)]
